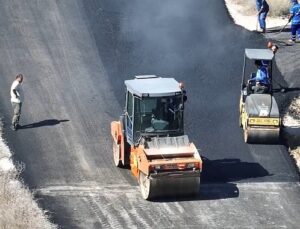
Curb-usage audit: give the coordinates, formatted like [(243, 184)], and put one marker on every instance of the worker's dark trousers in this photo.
[(294, 30), (262, 19), (17, 113)]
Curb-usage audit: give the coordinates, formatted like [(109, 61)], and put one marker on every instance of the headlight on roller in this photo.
[(191, 165), (156, 167)]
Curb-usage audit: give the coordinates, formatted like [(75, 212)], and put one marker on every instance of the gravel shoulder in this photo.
[(18, 208), (288, 63), (249, 20)]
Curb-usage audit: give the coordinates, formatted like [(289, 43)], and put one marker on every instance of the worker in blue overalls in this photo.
[(294, 17), (260, 80), (263, 9)]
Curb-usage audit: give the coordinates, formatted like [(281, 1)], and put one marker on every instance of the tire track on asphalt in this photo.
[(87, 59), (120, 206)]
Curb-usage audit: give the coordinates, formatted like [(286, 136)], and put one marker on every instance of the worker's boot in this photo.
[(291, 41), (14, 126)]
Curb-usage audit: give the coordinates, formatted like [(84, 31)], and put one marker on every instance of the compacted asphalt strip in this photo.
[(75, 56)]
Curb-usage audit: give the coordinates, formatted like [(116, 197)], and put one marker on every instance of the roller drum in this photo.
[(170, 185), (261, 135)]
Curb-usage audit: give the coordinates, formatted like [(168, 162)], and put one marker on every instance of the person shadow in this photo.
[(47, 122)]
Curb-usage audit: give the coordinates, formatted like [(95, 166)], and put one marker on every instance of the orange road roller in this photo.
[(149, 138)]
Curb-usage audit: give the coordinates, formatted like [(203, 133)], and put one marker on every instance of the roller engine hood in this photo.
[(261, 105)]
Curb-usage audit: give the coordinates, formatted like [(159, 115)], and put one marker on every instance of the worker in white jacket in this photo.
[(16, 101)]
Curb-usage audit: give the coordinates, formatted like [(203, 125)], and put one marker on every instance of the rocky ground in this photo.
[(291, 121), (18, 208), (244, 14)]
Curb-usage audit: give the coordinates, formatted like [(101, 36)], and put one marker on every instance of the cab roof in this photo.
[(259, 54), (152, 86)]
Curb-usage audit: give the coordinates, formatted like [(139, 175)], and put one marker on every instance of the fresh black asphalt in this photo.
[(75, 56)]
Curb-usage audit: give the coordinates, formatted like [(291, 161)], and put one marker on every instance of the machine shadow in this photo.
[(231, 170), (47, 122), (278, 142), (278, 29), (218, 177), (213, 191), (283, 89)]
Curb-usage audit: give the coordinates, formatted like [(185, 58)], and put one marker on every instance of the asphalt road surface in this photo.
[(75, 56)]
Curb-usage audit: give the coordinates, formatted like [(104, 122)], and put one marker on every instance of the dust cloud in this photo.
[(173, 36)]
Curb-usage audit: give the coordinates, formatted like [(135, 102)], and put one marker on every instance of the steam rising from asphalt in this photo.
[(190, 40), (172, 36)]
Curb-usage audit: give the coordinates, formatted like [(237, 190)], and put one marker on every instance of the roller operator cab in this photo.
[(259, 113), (150, 139)]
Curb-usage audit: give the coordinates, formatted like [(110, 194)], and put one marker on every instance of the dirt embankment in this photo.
[(244, 14), (291, 121), (18, 208)]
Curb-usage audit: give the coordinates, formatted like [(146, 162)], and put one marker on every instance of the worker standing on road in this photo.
[(294, 17), (263, 9), (16, 101)]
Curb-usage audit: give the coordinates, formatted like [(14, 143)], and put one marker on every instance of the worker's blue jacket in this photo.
[(262, 5), (262, 75), (295, 12)]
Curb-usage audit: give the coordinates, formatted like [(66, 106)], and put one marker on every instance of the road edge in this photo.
[(18, 207)]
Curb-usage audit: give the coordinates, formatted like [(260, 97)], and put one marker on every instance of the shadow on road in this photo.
[(217, 179), (284, 89), (230, 170), (47, 122), (278, 30), (292, 136), (213, 191)]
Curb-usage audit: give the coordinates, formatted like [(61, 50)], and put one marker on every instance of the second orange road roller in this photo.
[(149, 138)]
